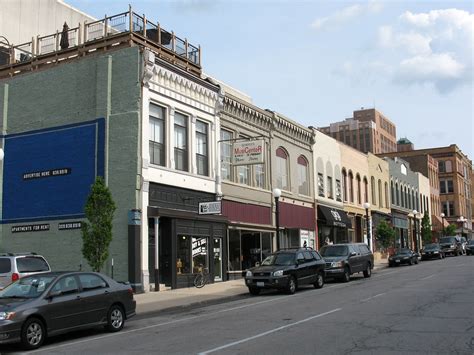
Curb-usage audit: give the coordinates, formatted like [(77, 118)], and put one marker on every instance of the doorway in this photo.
[(218, 276)]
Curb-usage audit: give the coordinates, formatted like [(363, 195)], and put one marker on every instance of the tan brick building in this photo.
[(368, 131)]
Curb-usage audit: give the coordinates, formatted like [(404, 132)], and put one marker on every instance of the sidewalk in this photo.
[(219, 292)]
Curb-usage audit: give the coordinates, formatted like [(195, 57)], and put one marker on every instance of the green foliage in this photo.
[(385, 234), (426, 229), (450, 230), (97, 232)]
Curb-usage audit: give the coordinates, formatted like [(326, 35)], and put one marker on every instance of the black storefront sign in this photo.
[(30, 228), (69, 225), (46, 173), (334, 217)]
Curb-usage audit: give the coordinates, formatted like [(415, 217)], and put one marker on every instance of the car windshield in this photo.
[(447, 240), (431, 246), (471, 242), (280, 259), (334, 250), (403, 252), (27, 287)]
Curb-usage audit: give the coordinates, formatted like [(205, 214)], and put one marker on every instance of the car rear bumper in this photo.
[(267, 282)]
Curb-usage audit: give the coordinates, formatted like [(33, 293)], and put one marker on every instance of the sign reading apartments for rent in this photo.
[(248, 152)]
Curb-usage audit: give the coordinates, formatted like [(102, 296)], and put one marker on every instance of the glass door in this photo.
[(218, 259)]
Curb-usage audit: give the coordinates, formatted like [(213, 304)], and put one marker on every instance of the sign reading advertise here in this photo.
[(46, 173), (248, 152)]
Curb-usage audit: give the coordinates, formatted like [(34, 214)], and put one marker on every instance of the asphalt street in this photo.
[(420, 309)]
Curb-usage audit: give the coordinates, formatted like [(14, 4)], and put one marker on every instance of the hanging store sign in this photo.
[(248, 152), (213, 207), (30, 228)]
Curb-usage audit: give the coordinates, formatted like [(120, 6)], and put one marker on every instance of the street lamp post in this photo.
[(442, 222), (369, 230), (415, 236), (276, 195), (462, 220)]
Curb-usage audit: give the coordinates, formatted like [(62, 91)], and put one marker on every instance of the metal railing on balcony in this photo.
[(101, 29)]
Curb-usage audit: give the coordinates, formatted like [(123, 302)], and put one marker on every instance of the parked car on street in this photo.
[(14, 266), (451, 245), (432, 251), (287, 269), (470, 247), (343, 260), (48, 304), (403, 256)]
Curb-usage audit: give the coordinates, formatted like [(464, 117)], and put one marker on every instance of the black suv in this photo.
[(451, 245), (286, 270), (343, 260)]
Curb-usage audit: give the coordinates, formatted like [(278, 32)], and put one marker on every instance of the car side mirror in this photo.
[(53, 294), (352, 254)]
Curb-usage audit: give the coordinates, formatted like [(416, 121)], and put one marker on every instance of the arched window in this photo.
[(351, 187), (380, 192), (392, 189), (372, 187), (386, 196), (344, 185), (282, 169), (359, 191), (397, 194), (366, 190), (303, 184)]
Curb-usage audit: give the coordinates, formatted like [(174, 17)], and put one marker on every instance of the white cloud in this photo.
[(346, 14)]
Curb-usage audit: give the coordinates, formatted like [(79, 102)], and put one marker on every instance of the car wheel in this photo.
[(368, 271), (319, 281), (410, 262), (347, 275), (291, 288), (33, 333), (416, 260), (254, 291), (440, 256), (115, 318)]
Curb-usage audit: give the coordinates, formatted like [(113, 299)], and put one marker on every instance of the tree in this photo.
[(426, 229), (385, 234), (97, 234), (450, 230)]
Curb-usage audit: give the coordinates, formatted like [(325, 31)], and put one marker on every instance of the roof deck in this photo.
[(125, 29)]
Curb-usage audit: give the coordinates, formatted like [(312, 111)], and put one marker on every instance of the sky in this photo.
[(318, 61)]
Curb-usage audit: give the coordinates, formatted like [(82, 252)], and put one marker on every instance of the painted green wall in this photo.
[(81, 90)]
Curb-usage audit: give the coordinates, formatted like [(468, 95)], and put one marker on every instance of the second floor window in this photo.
[(259, 176), (282, 169), (157, 135), (446, 186), (303, 185), (202, 163), (180, 142), (329, 188), (320, 185), (338, 190), (226, 154)]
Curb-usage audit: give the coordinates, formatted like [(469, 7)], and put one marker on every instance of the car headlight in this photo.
[(337, 264), (278, 273), (6, 315), (436, 252), (248, 273), (406, 257), (452, 246)]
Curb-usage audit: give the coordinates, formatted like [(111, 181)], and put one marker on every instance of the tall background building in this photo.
[(368, 131)]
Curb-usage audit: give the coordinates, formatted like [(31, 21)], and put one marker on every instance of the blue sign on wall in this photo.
[(47, 173)]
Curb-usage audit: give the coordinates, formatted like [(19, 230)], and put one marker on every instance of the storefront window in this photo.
[(247, 248), (191, 254), (234, 250)]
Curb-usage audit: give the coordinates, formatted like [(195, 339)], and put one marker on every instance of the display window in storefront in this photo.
[(247, 248), (192, 254)]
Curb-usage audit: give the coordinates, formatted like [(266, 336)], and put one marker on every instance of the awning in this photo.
[(334, 217)]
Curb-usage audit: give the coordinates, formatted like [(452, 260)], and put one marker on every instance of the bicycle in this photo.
[(202, 278)]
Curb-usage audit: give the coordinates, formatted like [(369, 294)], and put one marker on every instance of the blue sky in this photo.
[(317, 61)]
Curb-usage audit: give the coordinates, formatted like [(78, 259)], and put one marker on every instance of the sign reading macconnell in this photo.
[(30, 228), (248, 152), (46, 173)]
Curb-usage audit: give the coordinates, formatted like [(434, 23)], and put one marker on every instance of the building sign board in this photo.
[(213, 207), (30, 228), (69, 225), (248, 152), (46, 173)]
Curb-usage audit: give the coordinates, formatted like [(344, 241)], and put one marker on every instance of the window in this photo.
[(359, 192), (351, 187), (31, 264), (392, 190), (397, 194), (157, 136), (180, 142), (366, 190), (226, 154), (449, 166), (202, 162), (344, 186), (446, 187), (243, 173), (303, 185), (338, 190), (259, 176), (329, 187), (448, 208), (386, 195), (320, 185), (380, 193), (282, 169), (66, 285), (91, 282)]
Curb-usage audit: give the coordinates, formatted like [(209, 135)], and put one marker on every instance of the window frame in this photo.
[(204, 158), (185, 151), (154, 121), (282, 164)]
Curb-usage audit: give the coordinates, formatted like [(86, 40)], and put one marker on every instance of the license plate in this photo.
[(397, 261), (260, 284)]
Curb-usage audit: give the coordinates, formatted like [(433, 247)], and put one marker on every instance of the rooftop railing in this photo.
[(70, 38)]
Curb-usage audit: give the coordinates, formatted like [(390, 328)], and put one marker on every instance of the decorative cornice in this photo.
[(246, 112), (292, 129)]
